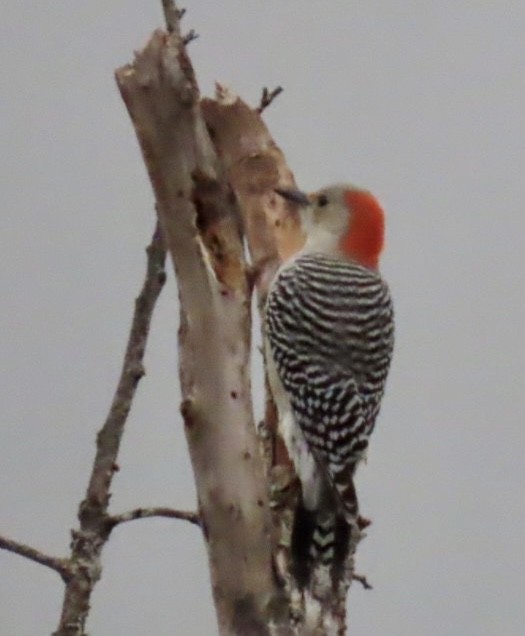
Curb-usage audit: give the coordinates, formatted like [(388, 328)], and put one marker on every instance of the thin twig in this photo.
[(267, 97), (363, 580), (108, 439), (55, 563), (172, 17), (143, 513), (89, 540), (190, 36)]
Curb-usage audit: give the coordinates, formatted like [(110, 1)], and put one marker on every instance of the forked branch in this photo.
[(267, 97)]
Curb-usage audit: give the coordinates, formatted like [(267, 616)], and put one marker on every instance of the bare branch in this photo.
[(89, 540), (190, 36), (363, 580), (144, 513), (267, 97), (61, 566), (108, 439)]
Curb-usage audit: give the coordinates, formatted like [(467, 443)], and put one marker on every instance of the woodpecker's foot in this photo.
[(363, 522)]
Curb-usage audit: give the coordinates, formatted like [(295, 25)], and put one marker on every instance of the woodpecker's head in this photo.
[(341, 220)]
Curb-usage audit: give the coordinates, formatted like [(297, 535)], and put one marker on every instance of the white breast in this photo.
[(303, 460)]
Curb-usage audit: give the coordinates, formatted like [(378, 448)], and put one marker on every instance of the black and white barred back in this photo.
[(330, 327)]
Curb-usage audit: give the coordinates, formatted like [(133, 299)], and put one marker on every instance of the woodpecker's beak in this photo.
[(295, 196)]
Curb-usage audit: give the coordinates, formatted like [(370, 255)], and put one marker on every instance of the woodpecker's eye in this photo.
[(322, 200)]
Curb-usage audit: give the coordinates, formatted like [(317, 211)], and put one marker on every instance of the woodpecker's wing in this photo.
[(330, 328)]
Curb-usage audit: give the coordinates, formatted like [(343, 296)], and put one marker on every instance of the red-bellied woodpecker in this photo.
[(329, 339)]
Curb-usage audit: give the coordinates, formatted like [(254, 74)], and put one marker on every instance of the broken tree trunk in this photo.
[(213, 166)]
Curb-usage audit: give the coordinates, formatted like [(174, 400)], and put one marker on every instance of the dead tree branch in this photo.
[(255, 166), (145, 513), (84, 568), (363, 580), (190, 36), (59, 565), (200, 224), (267, 97)]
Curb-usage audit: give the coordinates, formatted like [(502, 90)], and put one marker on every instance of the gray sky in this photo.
[(423, 103)]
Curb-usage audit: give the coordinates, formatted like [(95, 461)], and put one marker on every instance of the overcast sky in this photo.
[(423, 103)]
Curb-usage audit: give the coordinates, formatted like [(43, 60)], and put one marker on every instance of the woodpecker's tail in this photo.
[(319, 538), (346, 495)]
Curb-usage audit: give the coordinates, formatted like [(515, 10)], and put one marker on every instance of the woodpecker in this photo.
[(329, 336)]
